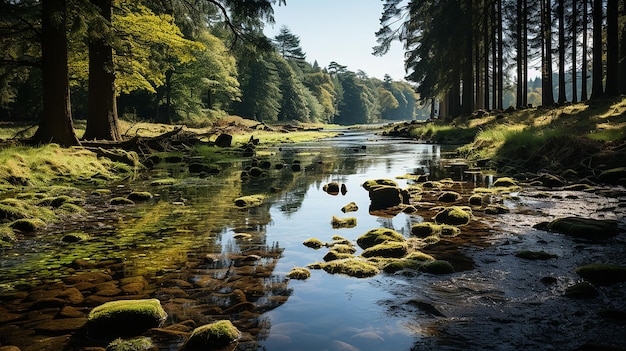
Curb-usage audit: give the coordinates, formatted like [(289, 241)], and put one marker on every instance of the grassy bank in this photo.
[(584, 137)]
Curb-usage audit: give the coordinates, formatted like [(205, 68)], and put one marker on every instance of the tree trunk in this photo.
[(500, 30), (612, 49), (468, 65), (583, 72), (525, 52), (561, 13), (518, 58), (102, 119), (596, 69), (547, 95), (56, 123), (574, 56)]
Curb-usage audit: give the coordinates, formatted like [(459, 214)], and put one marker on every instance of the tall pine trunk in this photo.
[(547, 95), (561, 13), (56, 123), (597, 90), (585, 49), (574, 56), (102, 119), (612, 49)]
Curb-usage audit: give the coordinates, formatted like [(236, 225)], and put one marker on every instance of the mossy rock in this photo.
[(212, 336), (375, 183), (125, 318), (535, 255), (449, 196), (551, 181), (7, 236), (388, 249), (613, 176), (382, 197), (121, 201), (27, 225), (249, 201), (602, 273), (396, 265), (437, 267), (344, 248), (351, 207), (349, 222), (135, 344), (496, 209), (419, 256), (68, 208), (582, 290), (58, 201), (75, 237), (378, 236), (299, 273), (11, 213), (505, 182), (454, 215), (586, 228), (333, 255), (313, 243), (354, 267), (476, 200), (140, 196), (332, 188)]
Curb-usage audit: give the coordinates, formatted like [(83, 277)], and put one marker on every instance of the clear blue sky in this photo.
[(340, 31)]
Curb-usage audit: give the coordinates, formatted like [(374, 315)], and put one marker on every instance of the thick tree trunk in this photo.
[(561, 13), (468, 65), (547, 95), (597, 89), (612, 49), (574, 56), (525, 52), (102, 119), (583, 72), (56, 123), (500, 31)]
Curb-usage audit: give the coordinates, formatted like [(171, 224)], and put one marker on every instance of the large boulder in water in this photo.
[(613, 176), (454, 215), (384, 197), (586, 228), (125, 318)]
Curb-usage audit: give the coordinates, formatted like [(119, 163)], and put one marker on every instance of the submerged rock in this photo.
[(582, 290), (313, 243), (249, 201), (602, 273), (125, 318)]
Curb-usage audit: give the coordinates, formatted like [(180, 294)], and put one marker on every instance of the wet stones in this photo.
[(602, 273), (351, 207), (454, 215)]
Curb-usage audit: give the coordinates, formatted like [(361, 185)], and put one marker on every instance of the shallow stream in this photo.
[(206, 260)]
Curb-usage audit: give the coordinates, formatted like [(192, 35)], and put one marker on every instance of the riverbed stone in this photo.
[(249, 201), (348, 222), (375, 183), (389, 249), (350, 207), (586, 228), (449, 196), (582, 290), (613, 176), (454, 215), (378, 236), (212, 336), (603, 273), (125, 318), (332, 188)]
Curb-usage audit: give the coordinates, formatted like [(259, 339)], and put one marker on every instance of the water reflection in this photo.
[(206, 260)]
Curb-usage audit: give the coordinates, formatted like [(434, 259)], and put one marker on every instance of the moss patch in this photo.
[(337, 223), (375, 183), (393, 249), (437, 267), (313, 243)]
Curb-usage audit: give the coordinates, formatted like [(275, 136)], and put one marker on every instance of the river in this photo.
[(206, 260)]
